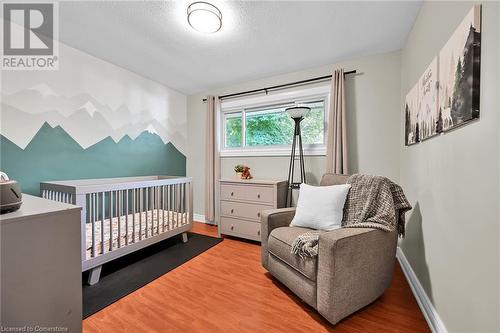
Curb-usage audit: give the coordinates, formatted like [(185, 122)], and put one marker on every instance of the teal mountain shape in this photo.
[(53, 154)]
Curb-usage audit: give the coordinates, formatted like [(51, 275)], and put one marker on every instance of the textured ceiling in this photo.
[(257, 39)]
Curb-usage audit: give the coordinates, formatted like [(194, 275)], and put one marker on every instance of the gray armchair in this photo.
[(353, 268)]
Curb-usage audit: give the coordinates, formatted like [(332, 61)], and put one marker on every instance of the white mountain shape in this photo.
[(20, 127), (89, 107), (151, 129), (79, 125), (44, 89), (42, 104)]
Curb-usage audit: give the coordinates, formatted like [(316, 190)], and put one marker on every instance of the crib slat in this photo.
[(169, 205), (153, 205), (127, 213), (88, 220), (163, 207), (152, 208), (177, 204), (174, 206), (134, 194), (183, 198), (110, 221), (103, 211), (183, 203), (141, 190), (93, 217), (119, 204), (147, 211), (157, 207)]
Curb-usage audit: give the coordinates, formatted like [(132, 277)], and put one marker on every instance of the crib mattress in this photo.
[(150, 226)]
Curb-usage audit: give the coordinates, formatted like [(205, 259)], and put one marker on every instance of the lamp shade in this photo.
[(298, 111)]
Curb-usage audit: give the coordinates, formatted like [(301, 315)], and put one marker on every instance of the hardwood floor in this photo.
[(225, 289)]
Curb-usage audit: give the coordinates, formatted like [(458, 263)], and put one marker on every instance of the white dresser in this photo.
[(242, 201)]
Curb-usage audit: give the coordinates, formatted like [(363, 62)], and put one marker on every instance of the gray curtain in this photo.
[(212, 161), (336, 145)]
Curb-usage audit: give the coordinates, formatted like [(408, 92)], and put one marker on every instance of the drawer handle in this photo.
[(258, 214), (232, 210), (232, 227), (258, 196), (232, 193), (258, 232)]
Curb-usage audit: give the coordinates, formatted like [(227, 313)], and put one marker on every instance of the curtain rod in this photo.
[(266, 90)]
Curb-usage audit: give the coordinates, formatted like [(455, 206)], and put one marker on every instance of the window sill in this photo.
[(271, 152)]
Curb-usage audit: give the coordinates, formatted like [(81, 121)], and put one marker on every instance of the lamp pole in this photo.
[(297, 114)]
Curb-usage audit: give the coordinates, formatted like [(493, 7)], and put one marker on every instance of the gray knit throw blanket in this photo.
[(372, 202)]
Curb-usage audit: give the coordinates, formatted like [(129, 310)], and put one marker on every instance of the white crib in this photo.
[(123, 215)]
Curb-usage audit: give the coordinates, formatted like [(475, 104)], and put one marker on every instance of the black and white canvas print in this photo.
[(411, 115), (421, 107), (446, 96), (459, 74)]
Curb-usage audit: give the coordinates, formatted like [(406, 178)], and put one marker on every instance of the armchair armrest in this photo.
[(270, 220), (355, 267)]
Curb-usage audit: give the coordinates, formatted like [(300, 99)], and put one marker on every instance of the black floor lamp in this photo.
[(297, 113)]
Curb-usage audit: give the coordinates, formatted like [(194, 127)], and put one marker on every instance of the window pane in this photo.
[(233, 130), (313, 125), (270, 126)]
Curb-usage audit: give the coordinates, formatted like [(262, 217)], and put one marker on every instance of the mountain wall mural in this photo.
[(54, 155), (88, 119)]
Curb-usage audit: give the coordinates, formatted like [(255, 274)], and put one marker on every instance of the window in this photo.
[(260, 126)]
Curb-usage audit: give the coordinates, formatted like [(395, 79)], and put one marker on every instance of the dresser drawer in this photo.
[(242, 210), (235, 227), (261, 194)]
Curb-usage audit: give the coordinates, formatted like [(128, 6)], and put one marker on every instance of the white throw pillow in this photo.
[(320, 207)]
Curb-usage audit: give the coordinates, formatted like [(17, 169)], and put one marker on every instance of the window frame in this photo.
[(297, 96)]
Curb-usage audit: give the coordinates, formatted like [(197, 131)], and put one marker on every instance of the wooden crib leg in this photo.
[(184, 237), (94, 275)]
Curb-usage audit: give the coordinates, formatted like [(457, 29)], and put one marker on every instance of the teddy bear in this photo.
[(246, 173)]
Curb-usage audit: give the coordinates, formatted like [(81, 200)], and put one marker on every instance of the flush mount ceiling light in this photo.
[(204, 17)]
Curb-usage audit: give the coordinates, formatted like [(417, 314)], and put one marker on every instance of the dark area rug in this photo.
[(131, 272)]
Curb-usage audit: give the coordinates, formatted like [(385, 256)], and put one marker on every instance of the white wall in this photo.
[(453, 183), (373, 123)]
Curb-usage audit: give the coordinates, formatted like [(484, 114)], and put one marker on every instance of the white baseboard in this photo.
[(431, 316), (201, 218)]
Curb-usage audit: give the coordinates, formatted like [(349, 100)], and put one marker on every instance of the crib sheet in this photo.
[(168, 220)]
